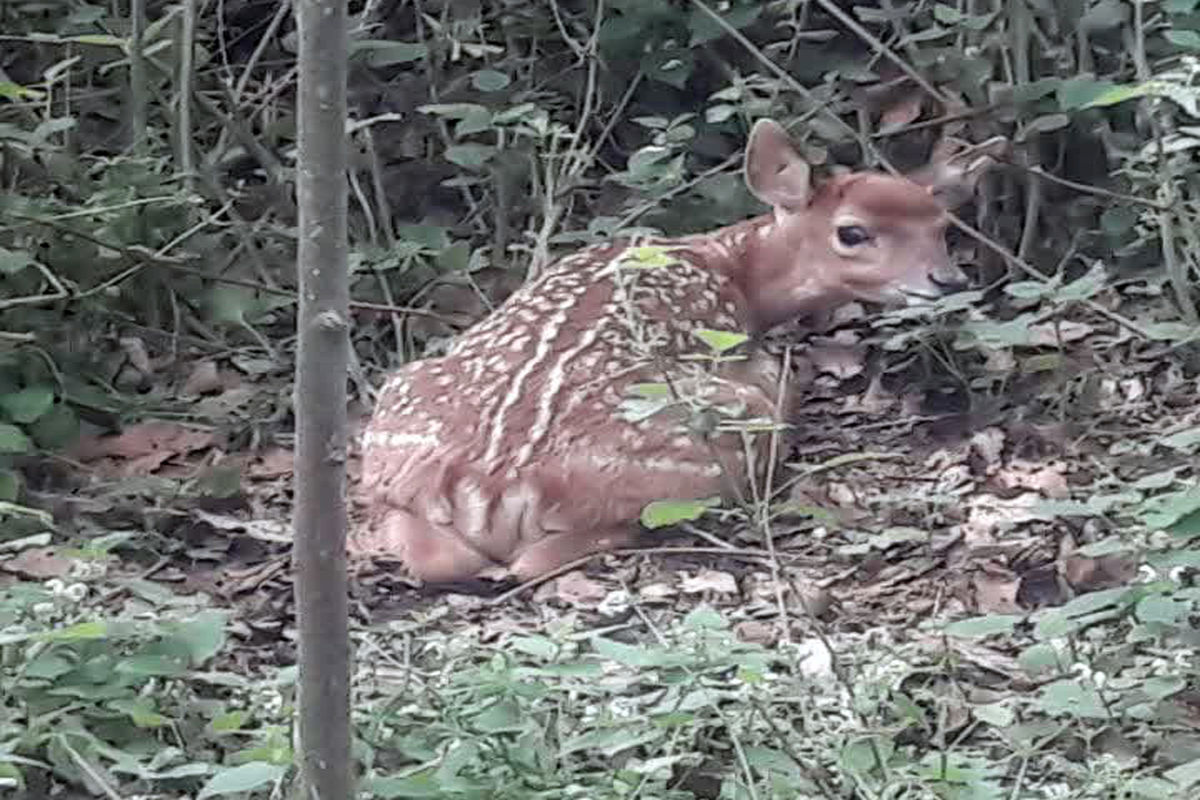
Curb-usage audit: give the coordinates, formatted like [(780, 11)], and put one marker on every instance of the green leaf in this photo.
[(1165, 510), (232, 305), (650, 391), (1013, 333), (13, 261), (426, 783), (1184, 441), (1118, 220), (1160, 687), (1104, 16), (48, 665), (720, 341), (10, 485), (13, 440), (17, 92), (490, 80), (474, 122), (1116, 94), (948, 15), (78, 632), (503, 716), (705, 618), (100, 39), (244, 778), (1180, 6), (647, 256), (1040, 659), (203, 636), (705, 29), (1149, 788), (153, 665), (1072, 699), (996, 714), (451, 110), (661, 513), (538, 646), (455, 258), (1083, 92), (979, 627), (1036, 90), (380, 53), (229, 722), (425, 237), (608, 742), (632, 655), (1161, 609), (57, 428), (141, 712), (1189, 40), (1028, 290), (1170, 331), (1085, 285), (28, 404), (470, 155)]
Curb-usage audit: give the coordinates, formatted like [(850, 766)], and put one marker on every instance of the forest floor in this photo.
[(957, 579)]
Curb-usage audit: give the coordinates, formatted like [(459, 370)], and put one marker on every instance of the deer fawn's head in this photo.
[(863, 236)]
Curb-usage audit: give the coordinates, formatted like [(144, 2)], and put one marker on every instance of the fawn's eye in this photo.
[(852, 235)]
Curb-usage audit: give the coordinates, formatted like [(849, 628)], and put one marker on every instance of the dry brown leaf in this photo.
[(875, 400), (837, 358), (755, 632), (996, 590), (135, 350), (578, 589), (1000, 361), (903, 110), (273, 463), (988, 514), (148, 438), (988, 444), (813, 658), (267, 530), (1048, 479), (38, 563), (228, 401), (709, 580), (841, 494), (657, 591), (1106, 572), (816, 601), (1051, 334), (204, 379), (144, 465)]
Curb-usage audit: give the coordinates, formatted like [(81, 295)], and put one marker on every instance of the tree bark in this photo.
[(320, 404)]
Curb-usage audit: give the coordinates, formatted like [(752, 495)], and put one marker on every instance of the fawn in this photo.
[(524, 447)]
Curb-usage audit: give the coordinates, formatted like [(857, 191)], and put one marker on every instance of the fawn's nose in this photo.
[(949, 280)]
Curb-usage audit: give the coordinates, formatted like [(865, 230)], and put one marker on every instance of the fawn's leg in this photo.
[(556, 549), (430, 553)]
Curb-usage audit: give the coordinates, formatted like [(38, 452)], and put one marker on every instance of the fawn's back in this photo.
[(547, 427)]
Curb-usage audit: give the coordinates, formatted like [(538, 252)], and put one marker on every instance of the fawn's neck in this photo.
[(762, 264)]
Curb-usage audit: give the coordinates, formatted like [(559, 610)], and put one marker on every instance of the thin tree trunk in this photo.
[(320, 404)]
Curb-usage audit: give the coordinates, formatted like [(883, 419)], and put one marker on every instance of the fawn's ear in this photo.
[(953, 177), (775, 172)]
